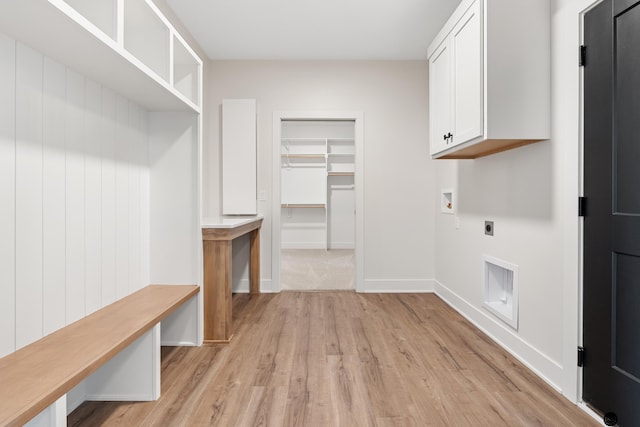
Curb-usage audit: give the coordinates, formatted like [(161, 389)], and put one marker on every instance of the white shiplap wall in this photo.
[(74, 196)]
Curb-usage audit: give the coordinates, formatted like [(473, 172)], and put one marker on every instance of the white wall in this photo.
[(398, 176), (531, 194), (73, 188)]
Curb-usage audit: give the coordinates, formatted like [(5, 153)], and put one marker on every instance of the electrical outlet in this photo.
[(488, 228)]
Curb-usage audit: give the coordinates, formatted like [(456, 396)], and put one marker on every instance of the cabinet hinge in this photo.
[(582, 206), (580, 356), (583, 56)]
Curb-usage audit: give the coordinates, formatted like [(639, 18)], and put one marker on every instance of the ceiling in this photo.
[(314, 29)]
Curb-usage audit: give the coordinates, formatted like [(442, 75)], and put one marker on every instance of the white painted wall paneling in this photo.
[(7, 194), (54, 196), (59, 170), (75, 138), (134, 198), (173, 165), (122, 197), (108, 197), (93, 197), (28, 173)]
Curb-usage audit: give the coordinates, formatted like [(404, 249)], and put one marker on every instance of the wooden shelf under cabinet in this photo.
[(341, 173), (488, 147)]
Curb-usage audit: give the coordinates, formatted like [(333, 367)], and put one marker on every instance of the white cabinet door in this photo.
[(440, 97), (239, 157), (466, 50)]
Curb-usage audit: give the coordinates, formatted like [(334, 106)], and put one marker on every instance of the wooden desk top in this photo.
[(230, 221), (228, 228)]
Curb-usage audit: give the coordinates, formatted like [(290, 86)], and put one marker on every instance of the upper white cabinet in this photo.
[(489, 78), (127, 45), (239, 157)]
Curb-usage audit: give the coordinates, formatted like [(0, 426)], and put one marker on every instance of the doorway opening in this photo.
[(317, 237)]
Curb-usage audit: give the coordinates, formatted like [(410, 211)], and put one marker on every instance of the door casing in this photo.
[(358, 118)]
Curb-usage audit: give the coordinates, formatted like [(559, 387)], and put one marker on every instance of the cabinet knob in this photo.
[(448, 136)]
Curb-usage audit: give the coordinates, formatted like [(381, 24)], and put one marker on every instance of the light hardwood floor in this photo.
[(344, 359)]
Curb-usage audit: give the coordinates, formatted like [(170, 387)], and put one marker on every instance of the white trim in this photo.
[(543, 366), (178, 344), (574, 232), (304, 245), (358, 118), (591, 413), (341, 245), (399, 286), (243, 286)]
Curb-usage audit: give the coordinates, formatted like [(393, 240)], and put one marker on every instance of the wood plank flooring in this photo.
[(343, 359)]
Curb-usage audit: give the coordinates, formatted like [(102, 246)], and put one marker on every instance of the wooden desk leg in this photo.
[(217, 291), (254, 263)]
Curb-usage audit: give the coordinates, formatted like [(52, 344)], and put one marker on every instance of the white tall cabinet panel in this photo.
[(28, 173), (7, 194), (75, 138), (239, 157), (54, 196), (108, 197), (93, 197)]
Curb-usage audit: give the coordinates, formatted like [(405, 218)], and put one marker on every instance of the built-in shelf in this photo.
[(101, 13), (304, 156), (186, 70), (147, 37), (303, 205), (340, 173), (127, 50)]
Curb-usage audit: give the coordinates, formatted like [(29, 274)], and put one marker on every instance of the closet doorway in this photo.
[(317, 190)]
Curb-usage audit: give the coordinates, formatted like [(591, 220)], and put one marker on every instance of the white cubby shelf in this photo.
[(126, 45)]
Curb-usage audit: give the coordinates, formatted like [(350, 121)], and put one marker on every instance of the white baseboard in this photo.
[(546, 368), (243, 287), (303, 245), (402, 286), (178, 344), (342, 245)]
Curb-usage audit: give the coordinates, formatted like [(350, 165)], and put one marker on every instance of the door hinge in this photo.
[(582, 206), (583, 56), (580, 356)]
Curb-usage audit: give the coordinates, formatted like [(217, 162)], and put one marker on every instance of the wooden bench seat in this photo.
[(34, 377)]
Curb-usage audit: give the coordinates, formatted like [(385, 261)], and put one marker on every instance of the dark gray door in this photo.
[(612, 220)]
